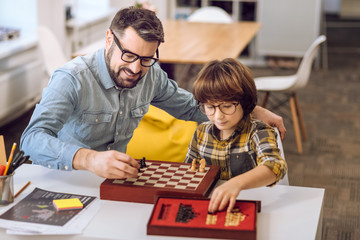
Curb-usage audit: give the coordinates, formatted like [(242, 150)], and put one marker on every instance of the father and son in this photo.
[(92, 105)]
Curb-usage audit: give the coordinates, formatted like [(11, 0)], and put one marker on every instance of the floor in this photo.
[(330, 105)]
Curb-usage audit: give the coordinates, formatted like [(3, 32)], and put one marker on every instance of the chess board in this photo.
[(161, 178)]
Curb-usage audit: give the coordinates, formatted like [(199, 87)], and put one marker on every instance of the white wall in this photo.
[(21, 14), (51, 13), (163, 7), (288, 27)]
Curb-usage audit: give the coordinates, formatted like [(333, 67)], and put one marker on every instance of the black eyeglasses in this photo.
[(225, 108), (130, 57)]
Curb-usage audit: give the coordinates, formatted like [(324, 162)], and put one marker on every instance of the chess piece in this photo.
[(202, 165), (142, 163), (193, 165)]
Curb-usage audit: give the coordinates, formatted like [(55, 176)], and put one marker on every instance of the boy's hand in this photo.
[(224, 195)]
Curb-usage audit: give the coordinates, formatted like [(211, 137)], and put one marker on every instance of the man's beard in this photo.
[(115, 76)]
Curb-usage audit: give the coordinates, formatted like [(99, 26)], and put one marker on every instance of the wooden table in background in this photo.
[(199, 43), (196, 43)]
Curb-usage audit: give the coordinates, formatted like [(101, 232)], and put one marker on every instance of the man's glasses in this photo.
[(130, 57), (225, 108)]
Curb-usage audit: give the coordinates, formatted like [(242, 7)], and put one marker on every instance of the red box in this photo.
[(167, 219), (161, 178)]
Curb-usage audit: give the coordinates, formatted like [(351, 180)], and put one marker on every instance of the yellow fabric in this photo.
[(160, 136)]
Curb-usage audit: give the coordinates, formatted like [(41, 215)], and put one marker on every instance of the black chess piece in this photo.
[(142, 163)]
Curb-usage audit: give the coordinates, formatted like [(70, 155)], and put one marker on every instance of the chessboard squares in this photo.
[(176, 177), (151, 181), (150, 175), (160, 170), (188, 176), (168, 174), (171, 183), (143, 177)]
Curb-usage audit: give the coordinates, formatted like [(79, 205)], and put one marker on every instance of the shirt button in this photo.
[(96, 120), (141, 111), (49, 166), (116, 133), (108, 148), (121, 112), (66, 168)]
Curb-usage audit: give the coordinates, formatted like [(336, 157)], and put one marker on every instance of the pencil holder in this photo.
[(6, 189)]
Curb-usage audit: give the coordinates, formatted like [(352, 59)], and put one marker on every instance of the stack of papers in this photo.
[(37, 215)]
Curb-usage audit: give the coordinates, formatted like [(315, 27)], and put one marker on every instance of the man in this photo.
[(92, 104)]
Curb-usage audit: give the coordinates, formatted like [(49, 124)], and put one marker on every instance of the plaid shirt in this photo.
[(252, 143)]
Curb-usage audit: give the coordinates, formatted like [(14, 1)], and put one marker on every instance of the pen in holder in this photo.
[(7, 189)]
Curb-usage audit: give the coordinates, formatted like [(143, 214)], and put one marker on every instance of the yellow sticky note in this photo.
[(67, 204)]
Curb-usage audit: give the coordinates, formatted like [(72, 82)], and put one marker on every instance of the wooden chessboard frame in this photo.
[(201, 232), (145, 194)]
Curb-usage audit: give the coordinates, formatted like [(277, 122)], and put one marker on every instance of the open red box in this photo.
[(167, 219)]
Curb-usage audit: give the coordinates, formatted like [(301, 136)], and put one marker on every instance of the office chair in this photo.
[(51, 49), (290, 85)]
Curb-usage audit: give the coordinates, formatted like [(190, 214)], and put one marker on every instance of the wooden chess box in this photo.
[(161, 178)]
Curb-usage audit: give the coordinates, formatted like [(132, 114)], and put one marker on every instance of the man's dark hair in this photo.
[(145, 23)]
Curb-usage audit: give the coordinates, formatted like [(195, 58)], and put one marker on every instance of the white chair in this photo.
[(51, 49), (285, 180), (210, 14), (291, 84)]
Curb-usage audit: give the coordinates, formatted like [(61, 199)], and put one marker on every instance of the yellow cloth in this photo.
[(160, 136)]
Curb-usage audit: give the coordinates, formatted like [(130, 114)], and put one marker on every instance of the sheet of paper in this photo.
[(33, 216)]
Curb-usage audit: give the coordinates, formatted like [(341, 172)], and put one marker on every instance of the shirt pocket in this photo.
[(241, 163), (93, 125), (136, 114)]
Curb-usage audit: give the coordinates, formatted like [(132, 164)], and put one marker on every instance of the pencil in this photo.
[(22, 189), (10, 158)]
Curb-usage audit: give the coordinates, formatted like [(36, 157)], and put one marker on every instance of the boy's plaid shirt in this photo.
[(253, 143)]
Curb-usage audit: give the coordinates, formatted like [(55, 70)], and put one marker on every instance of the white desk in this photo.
[(287, 212)]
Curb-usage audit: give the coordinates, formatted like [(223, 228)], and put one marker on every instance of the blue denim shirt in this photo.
[(82, 108)]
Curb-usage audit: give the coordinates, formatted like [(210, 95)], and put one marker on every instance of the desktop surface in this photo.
[(287, 212)]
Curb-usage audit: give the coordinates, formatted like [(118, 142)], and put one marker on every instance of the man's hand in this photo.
[(108, 164), (270, 118)]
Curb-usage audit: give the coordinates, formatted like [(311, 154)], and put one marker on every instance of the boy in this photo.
[(244, 148)]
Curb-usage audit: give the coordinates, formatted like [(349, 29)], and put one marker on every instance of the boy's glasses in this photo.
[(130, 57), (225, 108)]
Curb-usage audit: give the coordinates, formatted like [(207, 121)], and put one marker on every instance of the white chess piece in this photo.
[(193, 165), (202, 165)]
